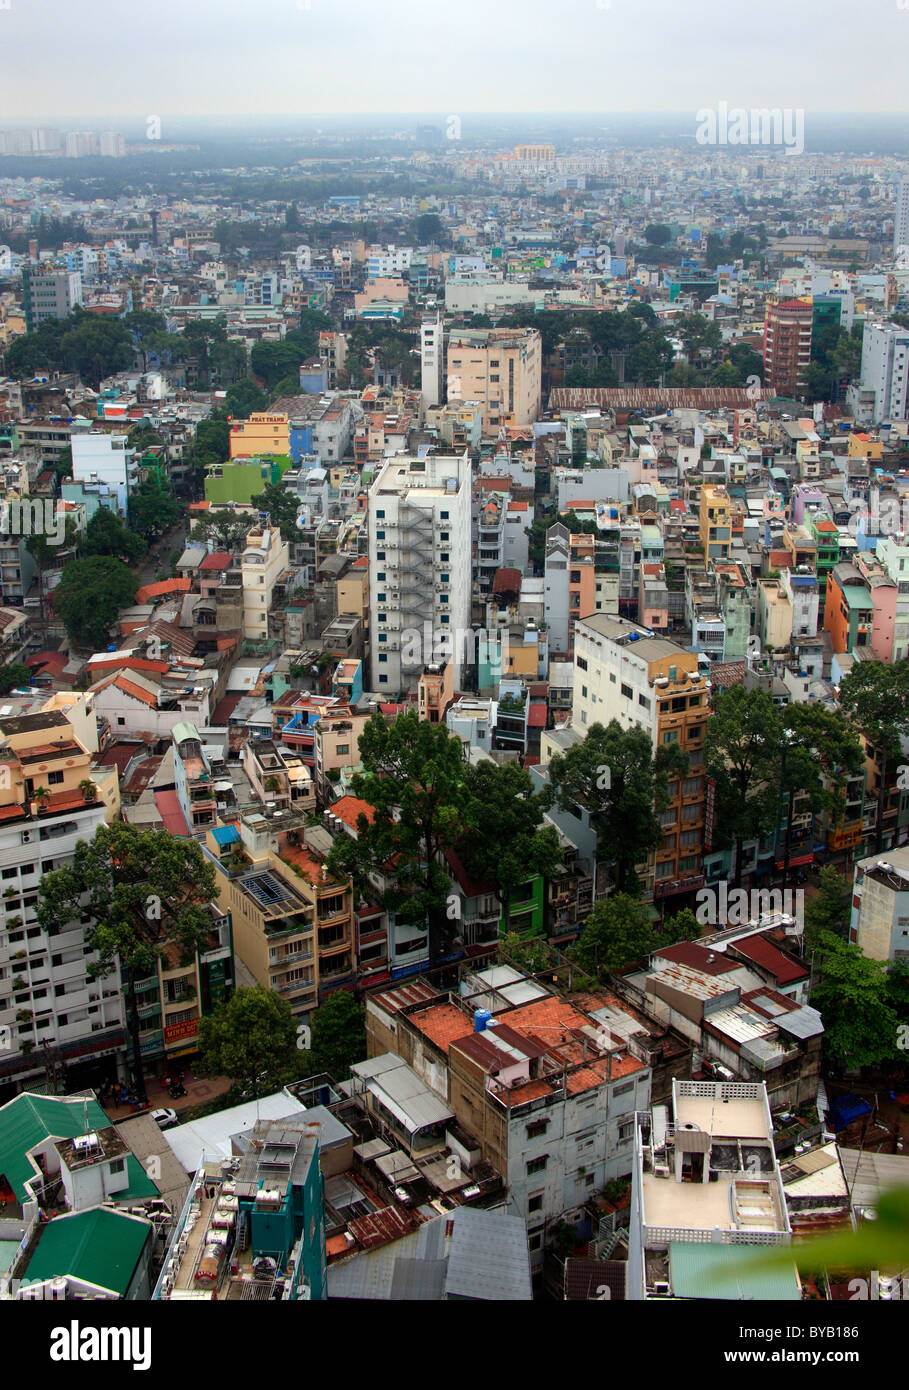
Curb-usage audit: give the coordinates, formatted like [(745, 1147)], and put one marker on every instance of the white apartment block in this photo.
[(555, 586), (901, 217), (432, 356), (265, 559), (885, 370), (419, 522), (105, 459), (880, 906), (705, 1174)]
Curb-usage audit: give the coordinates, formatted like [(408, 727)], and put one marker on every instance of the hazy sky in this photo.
[(113, 58)]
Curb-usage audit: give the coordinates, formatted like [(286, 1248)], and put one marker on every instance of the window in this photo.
[(383, 657), (537, 1165), (443, 516), (537, 1127), (535, 1203), (627, 691), (117, 1165), (582, 663), (54, 778), (380, 514), (535, 1242), (380, 535)]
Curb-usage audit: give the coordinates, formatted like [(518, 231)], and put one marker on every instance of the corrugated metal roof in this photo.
[(725, 1271)]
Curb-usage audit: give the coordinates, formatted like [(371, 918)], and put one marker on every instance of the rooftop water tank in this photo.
[(481, 1019)]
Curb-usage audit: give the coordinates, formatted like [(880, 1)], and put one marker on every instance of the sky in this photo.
[(109, 59)]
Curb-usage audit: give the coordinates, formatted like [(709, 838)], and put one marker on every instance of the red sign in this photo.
[(181, 1030)]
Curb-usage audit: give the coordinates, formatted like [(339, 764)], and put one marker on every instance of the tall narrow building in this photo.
[(787, 346), (420, 571)]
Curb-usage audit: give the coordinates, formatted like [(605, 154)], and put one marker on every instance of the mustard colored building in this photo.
[(715, 523), (260, 434)]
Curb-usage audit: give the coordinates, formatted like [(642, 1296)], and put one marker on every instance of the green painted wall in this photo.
[(239, 482)]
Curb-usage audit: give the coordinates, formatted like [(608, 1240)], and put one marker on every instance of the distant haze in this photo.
[(104, 61)]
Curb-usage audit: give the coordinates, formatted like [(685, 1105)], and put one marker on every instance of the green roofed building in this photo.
[(698, 1270), (98, 1252), (32, 1126)]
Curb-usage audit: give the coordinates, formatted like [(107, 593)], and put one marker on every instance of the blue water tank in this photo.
[(481, 1020)]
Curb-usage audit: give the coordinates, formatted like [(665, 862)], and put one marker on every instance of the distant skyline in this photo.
[(321, 58)]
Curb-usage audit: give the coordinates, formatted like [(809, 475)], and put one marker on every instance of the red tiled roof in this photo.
[(163, 586), (697, 958), (536, 716), (135, 691), (775, 961), (168, 806), (350, 808), (507, 581), (217, 560)]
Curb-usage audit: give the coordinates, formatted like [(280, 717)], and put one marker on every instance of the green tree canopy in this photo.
[(506, 841), (614, 776), (144, 892), (852, 993), (741, 748), (14, 674), (618, 933), (107, 534), (281, 505), (90, 595), (414, 778), (153, 509), (252, 1038)]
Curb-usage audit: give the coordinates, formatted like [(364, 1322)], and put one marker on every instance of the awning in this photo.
[(800, 859)]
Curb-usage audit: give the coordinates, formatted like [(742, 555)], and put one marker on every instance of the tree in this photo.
[(272, 361), (225, 526), (106, 534), (428, 228), (657, 233), (618, 933), (13, 675), (414, 779), (741, 746), (506, 841), (852, 993), (338, 1035), (818, 753), (614, 775), (244, 398), (681, 926), (531, 954), (145, 894), (152, 508), (282, 506), (829, 910), (252, 1038), (90, 595), (876, 697)]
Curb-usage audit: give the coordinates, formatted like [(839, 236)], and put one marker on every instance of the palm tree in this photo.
[(87, 789)]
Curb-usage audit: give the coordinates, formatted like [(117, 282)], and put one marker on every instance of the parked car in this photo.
[(165, 1119)]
